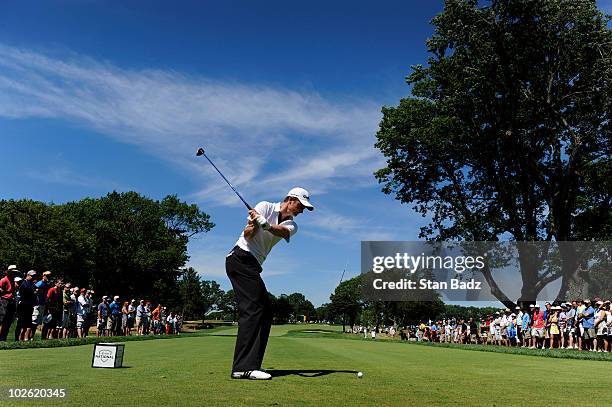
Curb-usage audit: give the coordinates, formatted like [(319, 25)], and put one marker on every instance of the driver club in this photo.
[(201, 152)]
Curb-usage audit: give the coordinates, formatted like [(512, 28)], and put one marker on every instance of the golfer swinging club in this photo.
[(267, 224)]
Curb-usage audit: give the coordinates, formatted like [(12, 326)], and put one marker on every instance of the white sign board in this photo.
[(108, 355)]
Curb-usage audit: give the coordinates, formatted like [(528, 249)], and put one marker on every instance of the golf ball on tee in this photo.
[(360, 375)]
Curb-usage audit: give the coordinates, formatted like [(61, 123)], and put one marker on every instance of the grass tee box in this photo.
[(108, 355)]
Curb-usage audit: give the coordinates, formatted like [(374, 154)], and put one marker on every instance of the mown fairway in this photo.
[(310, 370)]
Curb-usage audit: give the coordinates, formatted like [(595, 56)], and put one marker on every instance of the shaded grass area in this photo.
[(308, 371)]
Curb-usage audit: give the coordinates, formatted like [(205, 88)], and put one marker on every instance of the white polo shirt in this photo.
[(260, 244)]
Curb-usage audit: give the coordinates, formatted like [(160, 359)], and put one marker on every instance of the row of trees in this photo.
[(204, 299), (348, 307), (122, 244)]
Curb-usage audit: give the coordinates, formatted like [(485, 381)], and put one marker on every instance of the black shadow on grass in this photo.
[(307, 373), (110, 368)]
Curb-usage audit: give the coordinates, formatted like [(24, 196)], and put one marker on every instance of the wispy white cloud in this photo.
[(251, 130), (66, 176), (332, 226)]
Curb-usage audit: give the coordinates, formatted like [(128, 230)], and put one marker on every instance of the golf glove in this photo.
[(262, 222)]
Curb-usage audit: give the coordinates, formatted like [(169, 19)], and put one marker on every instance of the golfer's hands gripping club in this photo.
[(259, 220)]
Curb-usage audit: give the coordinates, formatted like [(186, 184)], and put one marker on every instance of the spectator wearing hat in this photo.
[(547, 314), (526, 327), (17, 283), (115, 316), (103, 312), (39, 313), (512, 330), (67, 303), (82, 312), (90, 318), (74, 296), (131, 316), (140, 316), (8, 305), (504, 323), (498, 330), (580, 307), (491, 324), (25, 306), (601, 328), (588, 323), (54, 305), (519, 325)]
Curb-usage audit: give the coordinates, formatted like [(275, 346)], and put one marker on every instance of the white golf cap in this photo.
[(32, 273), (12, 267), (116, 297), (17, 279), (303, 196)]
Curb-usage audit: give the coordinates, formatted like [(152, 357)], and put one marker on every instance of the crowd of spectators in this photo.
[(64, 311), (580, 324)]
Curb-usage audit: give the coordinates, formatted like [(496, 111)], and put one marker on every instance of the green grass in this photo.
[(312, 369), (549, 353), (58, 343)]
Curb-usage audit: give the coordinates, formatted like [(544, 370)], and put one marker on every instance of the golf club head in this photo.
[(200, 152)]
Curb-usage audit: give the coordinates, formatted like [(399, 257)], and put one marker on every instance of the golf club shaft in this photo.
[(343, 271), (228, 183)]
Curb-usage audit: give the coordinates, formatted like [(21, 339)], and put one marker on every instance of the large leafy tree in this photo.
[(281, 308), (192, 296), (228, 306), (38, 236), (141, 244), (347, 301), (300, 306), (508, 133), (212, 295), (323, 313)]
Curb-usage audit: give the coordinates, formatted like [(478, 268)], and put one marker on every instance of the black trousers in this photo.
[(254, 311), (10, 308)]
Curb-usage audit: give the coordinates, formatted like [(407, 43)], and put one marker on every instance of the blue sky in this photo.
[(99, 96)]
